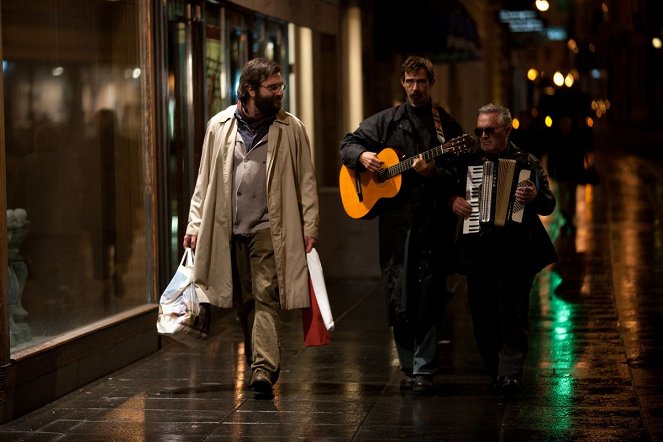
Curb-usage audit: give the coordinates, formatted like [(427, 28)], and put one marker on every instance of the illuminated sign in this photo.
[(556, 34), (521, 21)]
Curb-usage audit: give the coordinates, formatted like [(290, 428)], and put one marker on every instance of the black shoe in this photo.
[(510, 387), (407, 383), (261, 384), (423, 384)]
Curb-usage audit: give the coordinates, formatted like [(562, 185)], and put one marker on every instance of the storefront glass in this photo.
[(75, 164)]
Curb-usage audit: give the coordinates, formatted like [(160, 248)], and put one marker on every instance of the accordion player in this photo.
[(490, 190)]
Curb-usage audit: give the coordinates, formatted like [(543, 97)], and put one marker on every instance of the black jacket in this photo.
[(416, 227), (529, 237)]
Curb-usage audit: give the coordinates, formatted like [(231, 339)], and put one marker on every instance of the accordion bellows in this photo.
[(491, 191)]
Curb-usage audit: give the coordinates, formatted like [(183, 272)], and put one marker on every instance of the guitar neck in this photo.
[(406, 164)]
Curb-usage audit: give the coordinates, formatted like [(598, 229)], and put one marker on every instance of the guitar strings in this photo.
[(406, 164)]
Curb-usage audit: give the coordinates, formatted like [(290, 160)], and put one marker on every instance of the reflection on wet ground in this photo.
[(593, 372)]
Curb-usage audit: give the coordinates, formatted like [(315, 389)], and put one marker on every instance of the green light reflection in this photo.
[(562, 346), (560, 343)]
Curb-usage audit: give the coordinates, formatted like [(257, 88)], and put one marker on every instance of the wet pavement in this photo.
[(593, 371)]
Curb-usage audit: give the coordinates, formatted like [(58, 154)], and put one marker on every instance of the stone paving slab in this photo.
[(593, 372)]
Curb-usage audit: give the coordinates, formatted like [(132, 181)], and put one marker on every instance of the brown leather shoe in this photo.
[(407, 383), (261, 384), (423, 384)]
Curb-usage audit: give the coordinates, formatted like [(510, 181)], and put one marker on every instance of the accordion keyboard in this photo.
[(472, 189), (490, 189)]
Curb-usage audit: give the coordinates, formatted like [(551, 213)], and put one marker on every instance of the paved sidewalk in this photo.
[(593, 372)]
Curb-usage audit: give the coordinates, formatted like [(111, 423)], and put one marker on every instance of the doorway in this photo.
[(208, 43)]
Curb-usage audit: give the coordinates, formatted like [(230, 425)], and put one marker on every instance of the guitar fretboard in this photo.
[(454, 145)]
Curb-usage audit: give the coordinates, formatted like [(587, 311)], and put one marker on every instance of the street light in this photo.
[(532, 74), (542, 5), (558, 78), (568, 80)]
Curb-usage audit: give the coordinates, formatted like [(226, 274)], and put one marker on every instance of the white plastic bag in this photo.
[(184, 312), (319, 288)]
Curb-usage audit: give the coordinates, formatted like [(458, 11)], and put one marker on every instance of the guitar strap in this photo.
[(438, 125)]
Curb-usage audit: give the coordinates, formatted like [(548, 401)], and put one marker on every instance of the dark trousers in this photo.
[(416, 345), (499, 303)]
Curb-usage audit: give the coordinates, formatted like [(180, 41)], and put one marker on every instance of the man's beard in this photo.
[(267, 105)]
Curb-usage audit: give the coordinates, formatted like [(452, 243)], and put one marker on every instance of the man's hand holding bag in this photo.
[(184, 312)]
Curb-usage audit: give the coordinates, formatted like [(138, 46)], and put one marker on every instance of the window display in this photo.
[(75, 174)]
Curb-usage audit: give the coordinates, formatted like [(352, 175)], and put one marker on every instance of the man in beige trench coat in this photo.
[(254, 215)]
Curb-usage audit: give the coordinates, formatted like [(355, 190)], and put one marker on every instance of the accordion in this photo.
[(491, 191)]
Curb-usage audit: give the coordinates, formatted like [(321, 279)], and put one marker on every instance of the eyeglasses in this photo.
[(274, 88), (479, 131)]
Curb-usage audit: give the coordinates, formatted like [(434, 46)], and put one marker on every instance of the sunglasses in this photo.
[(479, 131)]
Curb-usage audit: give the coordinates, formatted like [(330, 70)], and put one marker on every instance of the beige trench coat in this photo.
[(292, 201)]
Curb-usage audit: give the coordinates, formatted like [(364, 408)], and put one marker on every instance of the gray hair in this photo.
[(503, 113)]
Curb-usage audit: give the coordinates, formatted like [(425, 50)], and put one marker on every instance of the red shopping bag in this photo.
[(315, 331)]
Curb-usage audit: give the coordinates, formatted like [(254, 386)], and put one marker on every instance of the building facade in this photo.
[(104, 106), (105, 103)]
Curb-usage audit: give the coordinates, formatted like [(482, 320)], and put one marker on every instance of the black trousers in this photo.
[(498, 289)]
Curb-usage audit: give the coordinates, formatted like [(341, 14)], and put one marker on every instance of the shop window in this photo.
[(75, 174)]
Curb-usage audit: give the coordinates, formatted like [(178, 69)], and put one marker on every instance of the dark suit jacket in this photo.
[(530, 238)]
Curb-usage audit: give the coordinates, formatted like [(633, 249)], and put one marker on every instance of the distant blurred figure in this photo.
[(101, 203), (568, 146), (527, 135)]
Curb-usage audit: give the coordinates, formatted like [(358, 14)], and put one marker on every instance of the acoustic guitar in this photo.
[(360, 191)]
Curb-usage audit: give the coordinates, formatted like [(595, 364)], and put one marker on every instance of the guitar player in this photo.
[(415, 226)]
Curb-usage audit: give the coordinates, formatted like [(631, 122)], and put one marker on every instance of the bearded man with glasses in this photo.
[(254, 216), (500, 261)]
